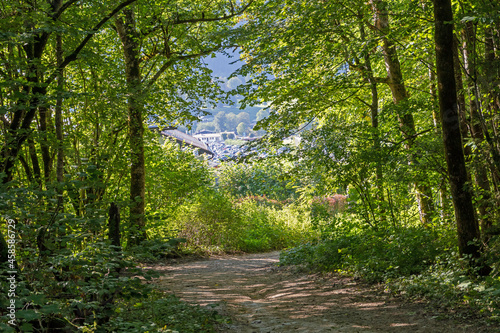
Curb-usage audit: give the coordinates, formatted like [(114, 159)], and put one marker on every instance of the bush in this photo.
[(174, 176), (210, 221), (163, 313), (217, 221), (324, 209), (372, 255), (90, 280), (156, 249), (448, 283), (271, 227)]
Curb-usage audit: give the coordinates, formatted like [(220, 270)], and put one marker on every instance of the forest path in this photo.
[(259, 297)]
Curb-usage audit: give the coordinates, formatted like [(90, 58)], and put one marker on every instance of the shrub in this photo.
[(447, 282), (271, 227), (373, 255), (156, 249), (323, 209), (174, 176), (216, 221), (210, 221), (163, 313)]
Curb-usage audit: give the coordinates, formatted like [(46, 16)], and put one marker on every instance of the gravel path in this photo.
[(260, 297)]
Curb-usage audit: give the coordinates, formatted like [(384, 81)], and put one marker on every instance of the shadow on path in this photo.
[(263, 298)]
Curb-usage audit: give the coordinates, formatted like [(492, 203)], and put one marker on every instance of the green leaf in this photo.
[(28, 315)]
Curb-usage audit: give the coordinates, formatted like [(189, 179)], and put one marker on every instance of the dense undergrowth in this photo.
[(413, 261), (217, 222), (72, 279), (162, 312)]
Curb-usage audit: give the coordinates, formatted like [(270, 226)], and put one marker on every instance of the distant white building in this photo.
[(209, 138), (293, 140)]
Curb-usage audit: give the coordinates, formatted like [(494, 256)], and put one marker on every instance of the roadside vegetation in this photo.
[(393, 175)]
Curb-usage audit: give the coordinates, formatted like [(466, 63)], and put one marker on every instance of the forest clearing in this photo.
[(360, 139)]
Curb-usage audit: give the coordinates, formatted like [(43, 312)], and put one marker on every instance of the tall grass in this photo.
[(217, 221)]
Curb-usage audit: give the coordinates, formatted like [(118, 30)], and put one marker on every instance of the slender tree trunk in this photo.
[(44, 116), (114, 225), (467, 226), (374, 122), (129, 37), (61, 230), (26, 109), (399, 94), (491, 85), (443, 200), (34, 162), (462, 109), (59, 117), (476, 127), (26, 167)]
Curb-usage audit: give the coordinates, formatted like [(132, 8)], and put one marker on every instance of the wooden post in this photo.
[(114, 225)]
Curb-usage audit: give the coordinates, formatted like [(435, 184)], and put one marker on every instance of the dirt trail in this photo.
[(260, 297)]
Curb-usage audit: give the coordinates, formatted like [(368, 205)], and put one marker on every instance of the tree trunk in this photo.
[(34, 162), (114, 225), (443, 201), (58, 116), (44, 116), (129, 38), (467, 227), (399, 94), (374, 122), (464, 122), (476, 127)]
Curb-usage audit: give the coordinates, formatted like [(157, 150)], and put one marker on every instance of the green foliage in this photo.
[(413, 261), (259, 178), (163, 313), (153, 250), (227, 120), (350, 246), (90, 282), (217, 222), (272, 226), (241, 129), (318, 85), (82, 283), (448, 283), (211, 221), (174, 176), (325, 209), (60, 252)]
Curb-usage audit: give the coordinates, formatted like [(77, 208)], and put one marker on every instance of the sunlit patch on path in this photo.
[(262, 298)]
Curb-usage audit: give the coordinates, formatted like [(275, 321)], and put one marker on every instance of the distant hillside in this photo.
[(251, 110)]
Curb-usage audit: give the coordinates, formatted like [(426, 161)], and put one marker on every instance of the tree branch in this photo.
[(212, 19), (73, 56), (61, 10), (172, 61)]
